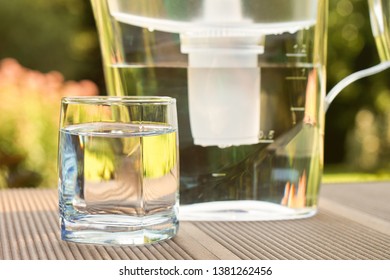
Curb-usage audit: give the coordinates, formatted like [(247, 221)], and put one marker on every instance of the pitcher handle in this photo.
[(352, 78)]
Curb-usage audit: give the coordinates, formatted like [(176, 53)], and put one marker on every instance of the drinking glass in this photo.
[(118, 169)]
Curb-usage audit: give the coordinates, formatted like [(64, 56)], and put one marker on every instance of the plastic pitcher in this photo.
[(249, 80)]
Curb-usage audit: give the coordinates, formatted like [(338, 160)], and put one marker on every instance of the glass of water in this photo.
[(118, 169)]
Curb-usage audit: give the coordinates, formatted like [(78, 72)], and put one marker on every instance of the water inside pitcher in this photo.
[(249, 79)]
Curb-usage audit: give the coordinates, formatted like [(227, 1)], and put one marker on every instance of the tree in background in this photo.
[(47, 35)]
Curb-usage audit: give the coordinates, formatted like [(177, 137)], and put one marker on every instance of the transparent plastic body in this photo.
[(249, 80)]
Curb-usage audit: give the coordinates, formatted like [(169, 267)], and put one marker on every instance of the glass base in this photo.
[(242, 210), (91, 230)]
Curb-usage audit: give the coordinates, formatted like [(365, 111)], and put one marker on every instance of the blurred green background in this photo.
[(49, 49)]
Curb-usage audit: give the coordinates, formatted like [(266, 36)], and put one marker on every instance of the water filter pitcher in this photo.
[(249, 79)]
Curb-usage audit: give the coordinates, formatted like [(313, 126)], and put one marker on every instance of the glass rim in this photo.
[(118, 100)]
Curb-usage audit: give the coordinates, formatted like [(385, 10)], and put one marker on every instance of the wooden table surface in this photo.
[(353, 222)]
